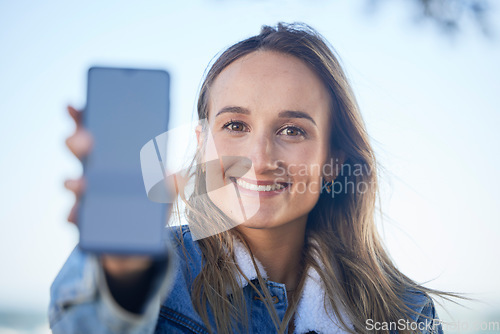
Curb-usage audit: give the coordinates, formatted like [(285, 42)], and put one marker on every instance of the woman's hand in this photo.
[(80, 144), (116, 267)]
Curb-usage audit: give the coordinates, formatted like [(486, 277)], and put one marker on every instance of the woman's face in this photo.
[(272, 110)]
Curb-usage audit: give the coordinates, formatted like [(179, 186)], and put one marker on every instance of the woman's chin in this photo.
[(253, 225), (259, 222)]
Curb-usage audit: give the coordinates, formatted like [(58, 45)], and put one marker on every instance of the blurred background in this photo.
[(426, 74)]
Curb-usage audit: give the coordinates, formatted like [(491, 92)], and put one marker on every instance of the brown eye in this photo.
[(291, 131), (235, 126)]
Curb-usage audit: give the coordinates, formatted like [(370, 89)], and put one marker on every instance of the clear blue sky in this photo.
[(431, 105)]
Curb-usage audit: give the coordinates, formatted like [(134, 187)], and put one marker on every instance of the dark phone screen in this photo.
[(126, 108)]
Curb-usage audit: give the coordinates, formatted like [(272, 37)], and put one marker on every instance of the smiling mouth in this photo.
[(272, 187)]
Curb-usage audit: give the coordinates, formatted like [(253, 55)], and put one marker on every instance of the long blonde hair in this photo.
[(342, 243)]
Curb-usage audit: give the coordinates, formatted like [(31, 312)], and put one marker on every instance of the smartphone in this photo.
[(126, 108)]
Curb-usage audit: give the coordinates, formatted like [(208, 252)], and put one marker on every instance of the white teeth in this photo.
[(255, 187)]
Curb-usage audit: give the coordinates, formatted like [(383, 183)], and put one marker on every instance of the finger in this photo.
[(73, 214), (75, 115), (80, 143), (77, 186), (118, 266)]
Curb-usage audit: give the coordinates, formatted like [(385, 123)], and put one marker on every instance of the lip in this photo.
[(257, 193)]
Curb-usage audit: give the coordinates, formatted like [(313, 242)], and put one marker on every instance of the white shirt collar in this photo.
[(311, 314)]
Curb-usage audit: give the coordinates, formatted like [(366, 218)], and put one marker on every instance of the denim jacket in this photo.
[(81, 302)]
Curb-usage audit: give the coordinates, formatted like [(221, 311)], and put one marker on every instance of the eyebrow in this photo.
[(282, 114), (234, 110), (296, 114)]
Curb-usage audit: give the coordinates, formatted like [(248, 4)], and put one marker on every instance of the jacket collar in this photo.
[(312, 315)]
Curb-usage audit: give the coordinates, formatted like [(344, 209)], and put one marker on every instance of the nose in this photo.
[(262, 153)]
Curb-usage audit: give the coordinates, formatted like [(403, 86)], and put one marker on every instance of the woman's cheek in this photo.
[(306, 178), (224, 146)]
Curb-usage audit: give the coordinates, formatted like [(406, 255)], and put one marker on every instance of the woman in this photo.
[(285, 220)]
